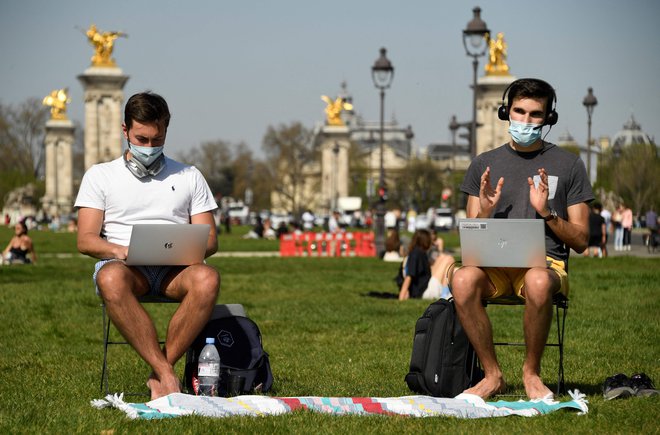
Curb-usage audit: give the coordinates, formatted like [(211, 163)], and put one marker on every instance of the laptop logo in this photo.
[(502, 243), (168, 245)]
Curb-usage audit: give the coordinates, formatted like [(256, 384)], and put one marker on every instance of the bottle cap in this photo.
[(210, 340)]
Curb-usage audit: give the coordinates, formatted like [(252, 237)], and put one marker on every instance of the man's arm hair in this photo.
[(574, 231)]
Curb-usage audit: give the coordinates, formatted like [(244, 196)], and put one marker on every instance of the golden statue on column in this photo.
[(57, 101), (496, 65), (103, 43), (334, 108)]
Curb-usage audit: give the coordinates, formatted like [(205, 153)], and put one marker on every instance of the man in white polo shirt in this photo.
[(144, 186)]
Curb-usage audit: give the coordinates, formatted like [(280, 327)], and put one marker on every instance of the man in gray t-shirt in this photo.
[(526, 178)]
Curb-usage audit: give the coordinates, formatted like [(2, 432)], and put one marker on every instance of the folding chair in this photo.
[(104, 387), (560, 302)]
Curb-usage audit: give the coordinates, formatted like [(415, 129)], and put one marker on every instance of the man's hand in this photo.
[(538, 195), (488, 197)]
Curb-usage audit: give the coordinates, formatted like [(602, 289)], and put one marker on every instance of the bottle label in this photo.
[(208, 369)]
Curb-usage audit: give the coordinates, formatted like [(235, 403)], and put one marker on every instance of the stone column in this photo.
[(59, 138), (493, 131), (104, 98), (334, 165)]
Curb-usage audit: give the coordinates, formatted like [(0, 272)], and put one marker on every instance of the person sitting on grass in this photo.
[(420, 279), (19, 247), (140, 187)]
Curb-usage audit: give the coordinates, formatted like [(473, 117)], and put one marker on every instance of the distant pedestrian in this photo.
[(627, 224), (652, 227), (597, 232), (607, 215), (617, 228), (308, 220)]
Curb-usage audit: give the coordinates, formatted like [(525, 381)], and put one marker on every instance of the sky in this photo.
[(231, 69)]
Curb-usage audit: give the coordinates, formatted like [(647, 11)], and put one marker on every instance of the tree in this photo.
[(213, 159), (419, 185), (289, 155), (22, 130), (251, 175), (358, 172), (634, 175)]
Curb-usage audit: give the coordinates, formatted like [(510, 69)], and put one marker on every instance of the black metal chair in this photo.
[(104, 387), (560, 302)]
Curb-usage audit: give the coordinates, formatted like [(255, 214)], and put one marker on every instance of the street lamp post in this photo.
[(589, 102), (335, 176), (475, 41), (453, 127), (382, 73)]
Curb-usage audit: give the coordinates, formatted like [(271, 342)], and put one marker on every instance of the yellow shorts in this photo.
[(509, 280)]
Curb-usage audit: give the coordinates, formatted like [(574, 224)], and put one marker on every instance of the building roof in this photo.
[(631, 134)]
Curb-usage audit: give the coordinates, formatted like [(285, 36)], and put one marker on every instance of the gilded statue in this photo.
[(103, 43), (497, 60), (57, 101), (334, 108)]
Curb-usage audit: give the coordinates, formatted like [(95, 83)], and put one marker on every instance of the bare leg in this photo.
[(440, 267), (120, 287), (469, 286), (540, 285), (197, 288)]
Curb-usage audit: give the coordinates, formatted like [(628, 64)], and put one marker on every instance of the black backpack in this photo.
[(238, 341), (443, 362)]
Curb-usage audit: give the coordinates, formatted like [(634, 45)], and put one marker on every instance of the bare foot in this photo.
[(535, 388), (163, 387), (487, 387)]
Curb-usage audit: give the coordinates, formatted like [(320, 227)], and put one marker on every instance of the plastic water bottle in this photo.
[(208, 369)]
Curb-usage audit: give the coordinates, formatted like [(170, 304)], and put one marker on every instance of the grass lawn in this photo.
[(325, 337)]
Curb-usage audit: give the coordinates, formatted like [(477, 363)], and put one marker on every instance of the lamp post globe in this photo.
[(589, 102), (475, 41), (382, 73)]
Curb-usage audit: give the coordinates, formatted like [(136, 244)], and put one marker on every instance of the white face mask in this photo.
[(145, 155), (525, 134)]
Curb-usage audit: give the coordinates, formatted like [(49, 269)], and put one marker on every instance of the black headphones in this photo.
[(141, 171), (551, 117)]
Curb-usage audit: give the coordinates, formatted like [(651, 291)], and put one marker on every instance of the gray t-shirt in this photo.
[(567, 181)]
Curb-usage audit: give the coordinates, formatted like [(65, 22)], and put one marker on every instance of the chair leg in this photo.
[(106, 338), (561, 323)]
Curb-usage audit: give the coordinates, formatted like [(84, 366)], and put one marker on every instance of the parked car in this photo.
[(421, 222), (444, 219), (239, 213)]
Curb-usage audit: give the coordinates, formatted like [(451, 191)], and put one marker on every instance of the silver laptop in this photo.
[(167, 244), (502, 242)]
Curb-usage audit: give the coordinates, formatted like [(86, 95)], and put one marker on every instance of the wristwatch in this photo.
[(551, 216)]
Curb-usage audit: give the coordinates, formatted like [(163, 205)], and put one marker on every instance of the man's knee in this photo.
[(112, 280), (540, 285), (467, 283), (205, 281)]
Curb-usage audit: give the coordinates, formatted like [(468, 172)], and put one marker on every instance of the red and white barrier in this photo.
[(310, 244)]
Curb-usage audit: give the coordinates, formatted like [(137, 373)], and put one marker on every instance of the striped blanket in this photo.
[(462, 406)]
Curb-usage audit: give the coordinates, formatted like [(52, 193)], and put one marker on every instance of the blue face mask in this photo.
[(145, 155), (524, 134)]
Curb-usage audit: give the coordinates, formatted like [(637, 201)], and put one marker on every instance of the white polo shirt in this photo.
[(171, 197)]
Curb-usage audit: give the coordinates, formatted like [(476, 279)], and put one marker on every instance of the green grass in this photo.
[(324, 337)]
